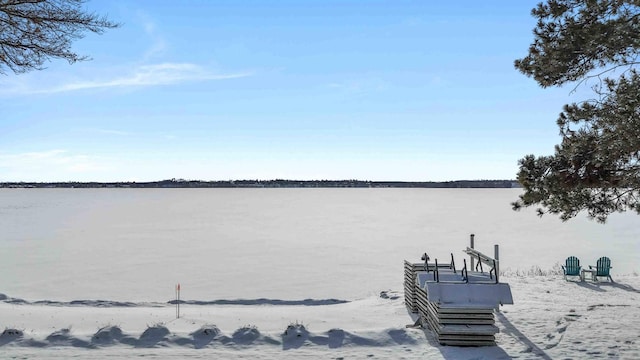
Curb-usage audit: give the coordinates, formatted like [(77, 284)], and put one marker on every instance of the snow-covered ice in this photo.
[(91, 274)]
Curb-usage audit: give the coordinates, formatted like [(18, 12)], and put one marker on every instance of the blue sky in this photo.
[(219, 90)]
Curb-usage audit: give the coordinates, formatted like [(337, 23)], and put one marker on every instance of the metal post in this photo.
[(178, 301), (496, 255), (472, 261)]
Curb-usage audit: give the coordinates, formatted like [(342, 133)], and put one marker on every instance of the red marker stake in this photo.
[(178, 301)]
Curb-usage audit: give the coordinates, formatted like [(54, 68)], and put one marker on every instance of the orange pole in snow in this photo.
[(178, 301)]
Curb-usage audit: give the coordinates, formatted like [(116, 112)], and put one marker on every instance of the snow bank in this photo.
[(551, 318)]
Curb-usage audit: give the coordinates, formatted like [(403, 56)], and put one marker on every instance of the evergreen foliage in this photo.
[(596, 167)]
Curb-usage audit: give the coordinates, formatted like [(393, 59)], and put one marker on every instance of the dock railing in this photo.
[(492, 263), (435, 267)]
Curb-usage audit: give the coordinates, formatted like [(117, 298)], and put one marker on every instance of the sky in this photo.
[(221, 90)]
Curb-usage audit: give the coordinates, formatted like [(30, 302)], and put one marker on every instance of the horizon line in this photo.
[(178, 180)]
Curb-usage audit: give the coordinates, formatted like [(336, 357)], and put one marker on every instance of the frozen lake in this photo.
[(69, 244)]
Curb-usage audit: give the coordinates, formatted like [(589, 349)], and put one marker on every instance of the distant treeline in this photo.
[(278, 183)]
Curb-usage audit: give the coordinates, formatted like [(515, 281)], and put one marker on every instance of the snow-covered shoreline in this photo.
[(551, 318)]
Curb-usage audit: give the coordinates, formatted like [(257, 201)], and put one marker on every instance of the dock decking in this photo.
[(458, 305)]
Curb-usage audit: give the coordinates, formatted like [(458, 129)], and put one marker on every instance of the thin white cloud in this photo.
[(158, 44), (150, 75), (157, 47), (359, 86), (29, 157), (112, 132), (144, 75), (50, 165), (141, 76)]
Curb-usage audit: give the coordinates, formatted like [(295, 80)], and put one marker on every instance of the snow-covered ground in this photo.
[(551, 319), (295, 273)]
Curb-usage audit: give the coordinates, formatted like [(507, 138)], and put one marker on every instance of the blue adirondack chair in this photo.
[(571, 267), (603, 265)]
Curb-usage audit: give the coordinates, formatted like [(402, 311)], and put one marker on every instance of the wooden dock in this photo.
[(456, 304)]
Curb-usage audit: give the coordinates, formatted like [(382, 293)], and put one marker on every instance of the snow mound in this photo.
[(246, 335), (401, 337), (204, 336), (261, 301), (338, 338), (107, 335), (154, 336), (63, 337), (294, 336), (10, 335)]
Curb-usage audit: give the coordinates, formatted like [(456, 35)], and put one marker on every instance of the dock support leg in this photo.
[(496, 255), (471, 246)]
